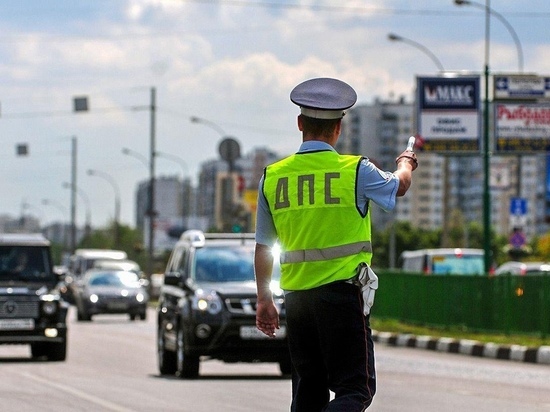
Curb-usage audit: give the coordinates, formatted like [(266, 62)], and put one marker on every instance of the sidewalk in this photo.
[(466, 347)]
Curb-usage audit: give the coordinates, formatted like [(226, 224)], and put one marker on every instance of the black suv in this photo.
[(207, 306), (31, 310)]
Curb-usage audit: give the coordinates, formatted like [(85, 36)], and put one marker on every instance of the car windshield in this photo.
[(114, 279), (25, 264), (113, 264), (224, 264), (458, 265)]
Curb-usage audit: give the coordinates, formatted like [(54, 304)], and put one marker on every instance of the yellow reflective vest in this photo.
[(323, 235)]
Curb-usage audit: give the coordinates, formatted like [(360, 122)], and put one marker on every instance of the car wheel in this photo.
[(56, 352), (38, 350), (166, 359), (188, 366), (82, 316), (143, 315)]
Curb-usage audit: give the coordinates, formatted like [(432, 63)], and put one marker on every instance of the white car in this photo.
[(523, 268)]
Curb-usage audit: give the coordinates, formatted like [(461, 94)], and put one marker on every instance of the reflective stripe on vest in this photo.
[(312, 255)]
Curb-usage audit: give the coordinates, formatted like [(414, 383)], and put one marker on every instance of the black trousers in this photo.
[(331, 349)]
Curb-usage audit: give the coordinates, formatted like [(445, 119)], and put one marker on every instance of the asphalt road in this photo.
[(111, 366)]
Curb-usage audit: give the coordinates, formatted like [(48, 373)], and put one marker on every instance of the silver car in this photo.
[(104, 291)]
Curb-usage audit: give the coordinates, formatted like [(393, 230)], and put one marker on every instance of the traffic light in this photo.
[(240, 219)]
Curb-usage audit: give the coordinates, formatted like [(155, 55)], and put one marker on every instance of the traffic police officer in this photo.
[(315, 203)]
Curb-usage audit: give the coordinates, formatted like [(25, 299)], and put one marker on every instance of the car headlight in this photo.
[(207, 302), (49, 303), (49, 307), (49, 297), (140, 297), (93, 298)]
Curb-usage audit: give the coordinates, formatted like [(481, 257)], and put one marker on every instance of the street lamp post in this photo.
[(132, 153), (63, 210), (137, 155), (488, 12), (39, 217), (116, 189), (437, 62), (150, 204), (86, 200), (229, 152), (486, 153), (151, 212), (195, 119), (185, 171), (425, 50), (499, 16), (73, 192)]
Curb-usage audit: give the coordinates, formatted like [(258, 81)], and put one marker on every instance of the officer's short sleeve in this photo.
[(265, 228), (376, 185)]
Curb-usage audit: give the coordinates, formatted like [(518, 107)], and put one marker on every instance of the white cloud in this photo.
[(234, 64)]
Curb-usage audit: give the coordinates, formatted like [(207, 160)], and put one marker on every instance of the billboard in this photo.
[(448, 114), (522, 127)]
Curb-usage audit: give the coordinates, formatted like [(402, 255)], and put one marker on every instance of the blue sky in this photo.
[(229, 62)]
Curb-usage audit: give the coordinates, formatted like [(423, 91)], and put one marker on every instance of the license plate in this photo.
[(16, 324), (251, 332)]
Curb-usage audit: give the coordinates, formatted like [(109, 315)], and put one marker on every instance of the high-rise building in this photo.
[(380, 131), (173, 205), (248, 168), (444, 187), (173, 199)]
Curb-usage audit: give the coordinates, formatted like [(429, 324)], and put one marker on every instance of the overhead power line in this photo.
[(352, 9)]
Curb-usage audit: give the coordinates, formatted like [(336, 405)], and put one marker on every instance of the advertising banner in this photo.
[(522, 127), (449, 116)]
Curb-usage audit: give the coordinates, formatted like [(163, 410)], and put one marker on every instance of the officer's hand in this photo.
[(411, 156), (267, 317)]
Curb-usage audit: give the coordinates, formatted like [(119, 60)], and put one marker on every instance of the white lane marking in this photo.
[(79, 394)]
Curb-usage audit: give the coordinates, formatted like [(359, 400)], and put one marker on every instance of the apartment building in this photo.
[(444, 185)]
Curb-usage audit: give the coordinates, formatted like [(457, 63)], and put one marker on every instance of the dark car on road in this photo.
[(31, 309), (107, 291), (207, 306)]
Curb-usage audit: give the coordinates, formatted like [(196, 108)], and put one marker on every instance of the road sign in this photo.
[(229, 149), (521, 86), (518, 206)]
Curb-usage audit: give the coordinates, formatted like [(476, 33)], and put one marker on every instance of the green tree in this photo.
[(408, 237)]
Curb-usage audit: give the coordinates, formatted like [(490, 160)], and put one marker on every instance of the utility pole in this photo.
[(151, 211), (73, 193)]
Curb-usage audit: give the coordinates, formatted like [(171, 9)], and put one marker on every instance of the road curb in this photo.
[(468, 347)]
